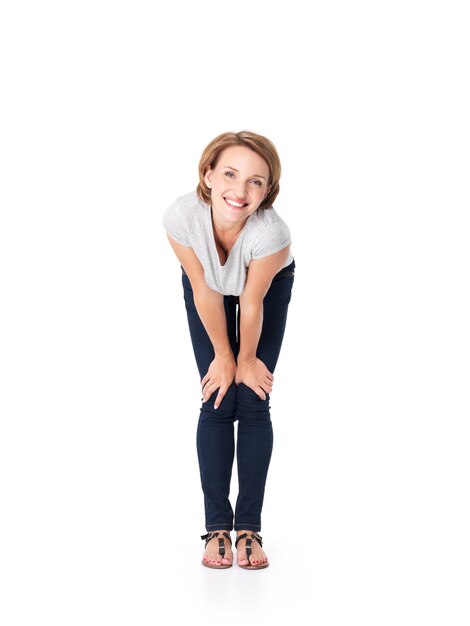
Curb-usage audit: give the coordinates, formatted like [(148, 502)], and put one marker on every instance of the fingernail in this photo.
[(216, 406)]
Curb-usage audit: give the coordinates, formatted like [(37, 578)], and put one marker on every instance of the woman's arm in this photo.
[(210, 307), (211, 310), (251, 370), (209, 303)]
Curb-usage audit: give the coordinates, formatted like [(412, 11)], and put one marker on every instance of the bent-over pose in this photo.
[(237, 277)]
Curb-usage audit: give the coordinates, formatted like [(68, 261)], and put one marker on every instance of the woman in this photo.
[(234, 252)]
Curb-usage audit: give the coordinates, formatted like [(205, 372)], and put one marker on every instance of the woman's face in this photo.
[(240, 177)]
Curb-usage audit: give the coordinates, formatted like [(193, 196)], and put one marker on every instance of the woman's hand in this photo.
[(255, 374), (221, 373)]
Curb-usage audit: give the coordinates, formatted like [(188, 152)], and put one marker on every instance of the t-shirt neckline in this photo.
[(241, 234)]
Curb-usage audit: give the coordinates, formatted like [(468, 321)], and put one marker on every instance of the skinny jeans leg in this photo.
[(255, 431), (215, 430)]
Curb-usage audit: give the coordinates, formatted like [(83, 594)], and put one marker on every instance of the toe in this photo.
[(227, 559)]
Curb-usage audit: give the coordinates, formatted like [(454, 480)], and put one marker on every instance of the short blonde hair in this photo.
[(259, 144)]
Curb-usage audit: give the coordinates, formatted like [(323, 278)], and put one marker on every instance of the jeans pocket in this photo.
[(286, 272), (282, 275)]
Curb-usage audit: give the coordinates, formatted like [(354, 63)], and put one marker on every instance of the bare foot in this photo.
[(212, 555), (257, 556)]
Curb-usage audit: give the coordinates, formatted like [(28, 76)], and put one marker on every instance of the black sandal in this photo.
[(248, 550), (210, 536)]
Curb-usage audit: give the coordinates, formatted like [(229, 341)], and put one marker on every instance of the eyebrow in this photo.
[(233, 168)]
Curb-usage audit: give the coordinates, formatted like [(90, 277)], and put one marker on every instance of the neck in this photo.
[(227, 229)]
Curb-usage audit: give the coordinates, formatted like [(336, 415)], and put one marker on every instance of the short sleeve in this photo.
[(272, 239), (174, 224)]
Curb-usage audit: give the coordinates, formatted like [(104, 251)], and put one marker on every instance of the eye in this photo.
[(255, 180)]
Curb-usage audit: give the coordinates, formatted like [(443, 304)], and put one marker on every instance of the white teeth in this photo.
[(232, 202)]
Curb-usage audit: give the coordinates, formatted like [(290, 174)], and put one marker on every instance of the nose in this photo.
[(239, 190)]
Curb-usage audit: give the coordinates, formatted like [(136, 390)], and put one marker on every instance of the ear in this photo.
[(208, 178)]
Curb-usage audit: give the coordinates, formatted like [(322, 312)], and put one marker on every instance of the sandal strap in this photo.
[(212, 535), (208, 536), (258, 538)]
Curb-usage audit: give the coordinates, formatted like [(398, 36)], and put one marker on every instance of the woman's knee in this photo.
[(250, 405), (228, 404)]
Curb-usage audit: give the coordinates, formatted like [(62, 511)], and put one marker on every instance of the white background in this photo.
[(105, 110)]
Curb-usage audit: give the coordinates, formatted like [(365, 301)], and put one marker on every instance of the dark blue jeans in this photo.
[(215, 429)]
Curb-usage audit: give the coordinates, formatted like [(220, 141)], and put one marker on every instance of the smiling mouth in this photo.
[(235, 205)]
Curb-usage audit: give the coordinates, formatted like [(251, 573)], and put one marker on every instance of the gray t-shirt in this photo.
[(188, 220)]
